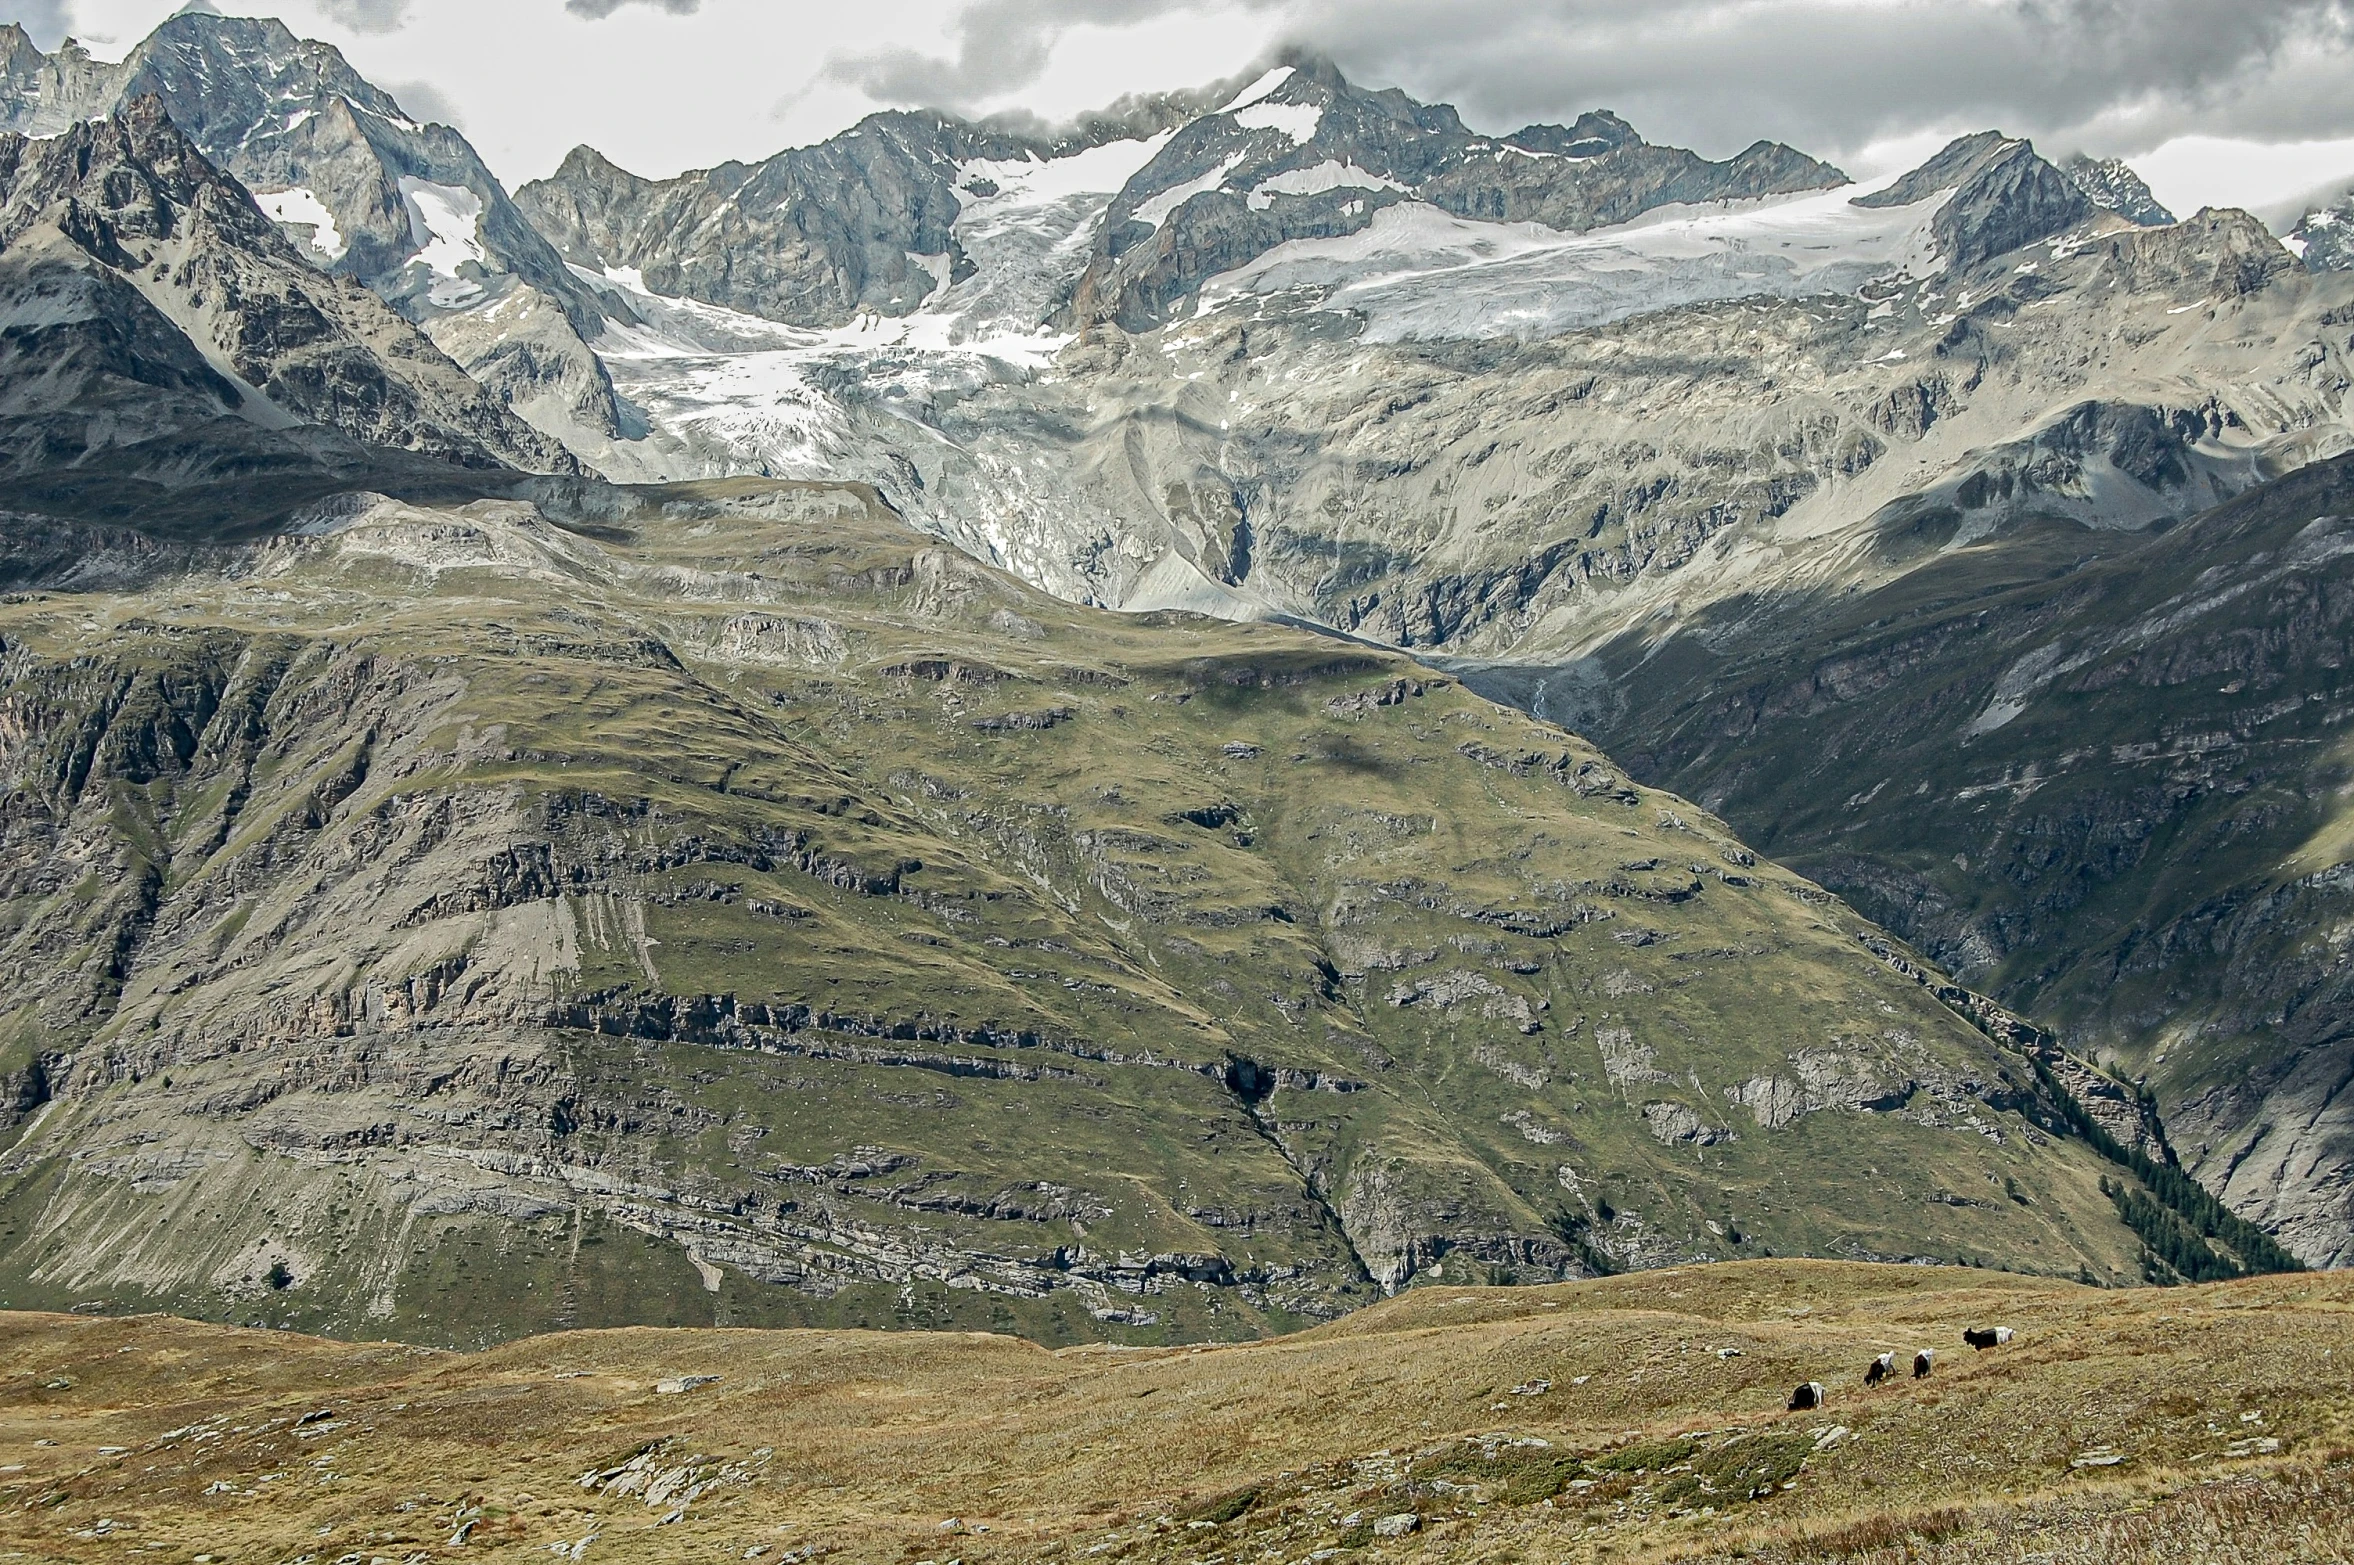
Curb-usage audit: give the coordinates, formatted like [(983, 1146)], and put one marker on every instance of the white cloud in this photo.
[(368, 16), (2274, 180), (661, 85), (46, 20)]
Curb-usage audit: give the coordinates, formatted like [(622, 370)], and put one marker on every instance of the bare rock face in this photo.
[(811, 237), (2003, 197), (1305, 154), (2113, 186), (2324, 237), (523, 349), (363, 190), (133, 206), (866, 221)]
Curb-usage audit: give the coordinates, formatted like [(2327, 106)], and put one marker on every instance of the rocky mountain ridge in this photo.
[(2088, 772), (163, 335), (1301, 153), (365, 191)]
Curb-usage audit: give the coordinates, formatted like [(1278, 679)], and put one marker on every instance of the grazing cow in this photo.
[(1923, 1362), (1807, 1396), (1882, 1367), (1984, 1337)]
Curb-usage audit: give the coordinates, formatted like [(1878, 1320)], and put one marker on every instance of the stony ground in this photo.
[(1631, 1418)]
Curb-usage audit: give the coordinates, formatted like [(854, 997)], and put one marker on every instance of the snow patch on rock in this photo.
[(1416, 272), (1296, 120), (1265, 86), (1156, 211), (445, 223), (1330, 174), (300, 208)]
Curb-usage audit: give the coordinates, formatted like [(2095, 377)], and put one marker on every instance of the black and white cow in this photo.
[(1984, 1337), (1807, 1396), (1882, 1367), (1923, 1362)]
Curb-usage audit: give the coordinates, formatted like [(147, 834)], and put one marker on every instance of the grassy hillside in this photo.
[(1634, 1418), (732, 908), (2098, 775)]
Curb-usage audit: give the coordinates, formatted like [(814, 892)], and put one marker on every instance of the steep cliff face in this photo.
[(764, 914), (161, 330), (2094, 774), (133, 205), (362, 190), (1304, 155)]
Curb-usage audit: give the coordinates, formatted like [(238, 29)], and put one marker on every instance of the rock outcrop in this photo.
[(363, 190), (2091, 774), (2113, 186), (160, 326)]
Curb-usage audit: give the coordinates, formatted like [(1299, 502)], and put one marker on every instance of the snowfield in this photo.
[(1416, 272), (300, 208), (1030, 239), (445, 224), (1327, 175)]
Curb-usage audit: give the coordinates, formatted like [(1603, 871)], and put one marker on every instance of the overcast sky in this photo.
[(2238, 102)]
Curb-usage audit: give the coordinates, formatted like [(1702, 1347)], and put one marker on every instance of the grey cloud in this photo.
[(1002, 45), (1826, 75), (1830, 75), (46, 20), (595, 10), (368, 16), (424, 101)]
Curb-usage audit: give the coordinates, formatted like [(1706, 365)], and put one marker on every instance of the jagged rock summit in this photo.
[(150, 299), (2112, 185), (363, 189)]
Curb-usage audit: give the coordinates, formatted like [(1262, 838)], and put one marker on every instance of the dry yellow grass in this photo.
[(1602, 1420)]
